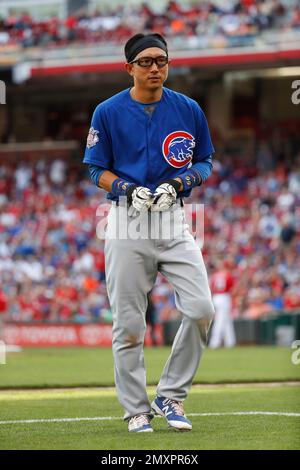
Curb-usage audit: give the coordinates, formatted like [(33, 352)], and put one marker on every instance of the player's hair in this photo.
[(140, 41)]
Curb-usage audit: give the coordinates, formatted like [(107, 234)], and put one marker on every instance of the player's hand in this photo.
[(164, 197), (142, 198)]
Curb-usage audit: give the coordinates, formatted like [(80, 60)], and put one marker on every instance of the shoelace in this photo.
[(176, 406), (140, 420)]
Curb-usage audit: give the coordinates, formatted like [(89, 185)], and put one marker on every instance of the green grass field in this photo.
[(247, 416), (209, 432), (75, 367)]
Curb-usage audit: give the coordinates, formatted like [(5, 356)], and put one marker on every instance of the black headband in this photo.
[(139, 42)]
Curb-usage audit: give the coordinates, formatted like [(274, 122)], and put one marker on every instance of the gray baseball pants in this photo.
[(136, 249)]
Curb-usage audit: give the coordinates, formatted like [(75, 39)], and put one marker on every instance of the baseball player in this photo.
[(151, 146), (223, 330)]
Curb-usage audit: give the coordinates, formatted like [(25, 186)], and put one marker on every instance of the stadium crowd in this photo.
[(209, 23), (52, 263)]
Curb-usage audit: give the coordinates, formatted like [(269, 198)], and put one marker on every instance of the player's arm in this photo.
[(195, 175), (140, 197), (107, 180), (110, 182), (167, 192), (101, 177), (136, 195)]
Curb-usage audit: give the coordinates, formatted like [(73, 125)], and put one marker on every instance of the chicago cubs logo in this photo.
[(177, 148)]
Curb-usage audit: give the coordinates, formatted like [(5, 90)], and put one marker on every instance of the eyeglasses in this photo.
[(147, 62)]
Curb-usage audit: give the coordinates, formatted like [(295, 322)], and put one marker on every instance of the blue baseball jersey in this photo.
[(146, 144)]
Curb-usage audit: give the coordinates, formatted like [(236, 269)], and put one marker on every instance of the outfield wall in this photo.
[(277, 329), (90, 335)]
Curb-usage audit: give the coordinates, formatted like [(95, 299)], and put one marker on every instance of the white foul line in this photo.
[(110, 418)]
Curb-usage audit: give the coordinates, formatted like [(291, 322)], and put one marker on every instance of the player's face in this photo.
[(146, 75)]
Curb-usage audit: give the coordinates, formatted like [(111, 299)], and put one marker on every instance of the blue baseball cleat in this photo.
[(140, 423), (173, 411)]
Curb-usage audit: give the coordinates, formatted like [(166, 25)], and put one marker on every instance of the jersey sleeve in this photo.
[(95, 173), (204, 147), (98, 147), (204, 167)]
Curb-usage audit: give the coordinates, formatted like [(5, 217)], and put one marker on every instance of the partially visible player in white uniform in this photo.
[(223, 329)]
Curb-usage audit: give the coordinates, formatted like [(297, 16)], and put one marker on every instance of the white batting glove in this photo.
[(164, 197), (142, 199)]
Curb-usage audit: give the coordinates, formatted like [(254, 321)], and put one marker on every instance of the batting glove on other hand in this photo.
[(165, 196), (142, 198)]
